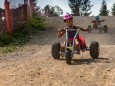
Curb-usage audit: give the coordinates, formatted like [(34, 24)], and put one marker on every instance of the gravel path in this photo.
[(32, 64)]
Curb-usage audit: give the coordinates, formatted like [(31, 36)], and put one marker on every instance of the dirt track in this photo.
[(32, 64)]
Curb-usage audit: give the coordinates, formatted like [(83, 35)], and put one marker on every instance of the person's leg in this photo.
[(82, 42), (77, 46), (62, 49)]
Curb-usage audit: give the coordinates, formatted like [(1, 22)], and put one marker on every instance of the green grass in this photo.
[(8, 48)]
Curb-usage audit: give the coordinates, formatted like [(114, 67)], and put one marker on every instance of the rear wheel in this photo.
[(55, 50), (68, 56), (100, 31), (105, 28), (94, 49)]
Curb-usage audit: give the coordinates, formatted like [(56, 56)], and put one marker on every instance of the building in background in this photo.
[(14, 12)]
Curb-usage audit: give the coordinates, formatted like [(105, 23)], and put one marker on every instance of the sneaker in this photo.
[(62, 55), (83, 50), (62, 49), (84, 47)]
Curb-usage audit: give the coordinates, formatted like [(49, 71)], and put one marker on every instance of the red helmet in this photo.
[(67, 16)]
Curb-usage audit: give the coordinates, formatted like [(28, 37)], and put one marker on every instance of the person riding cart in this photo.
[(74, 43), (98, 24)]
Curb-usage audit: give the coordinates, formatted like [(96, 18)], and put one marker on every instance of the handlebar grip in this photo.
[(62, 30)]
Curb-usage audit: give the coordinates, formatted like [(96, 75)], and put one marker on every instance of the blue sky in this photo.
[(12, 1), (64, 5)]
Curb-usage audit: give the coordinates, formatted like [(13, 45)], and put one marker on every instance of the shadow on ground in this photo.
[(87, 61)]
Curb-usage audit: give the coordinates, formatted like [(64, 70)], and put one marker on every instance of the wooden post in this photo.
[(31, 6), (25, 12), (8, 17)]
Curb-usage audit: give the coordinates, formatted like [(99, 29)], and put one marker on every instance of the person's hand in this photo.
[(87, 30), (61, 30)]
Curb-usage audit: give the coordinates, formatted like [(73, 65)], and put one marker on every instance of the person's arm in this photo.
[(93, 21), (60, 33), (82, 29), (102, 20)]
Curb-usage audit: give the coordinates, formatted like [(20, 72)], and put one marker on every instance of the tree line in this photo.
[(78, 8)]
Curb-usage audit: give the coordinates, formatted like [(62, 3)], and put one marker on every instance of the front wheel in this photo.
[(100, 31), (94, 49), (68, 56)]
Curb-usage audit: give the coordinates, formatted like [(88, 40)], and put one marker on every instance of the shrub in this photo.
[(5, 39), (36, 22), (22, 33)]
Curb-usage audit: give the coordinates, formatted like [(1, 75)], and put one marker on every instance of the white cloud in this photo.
[(2, 3), (95, 9), (64, 5), (110, 4), (61, 3)]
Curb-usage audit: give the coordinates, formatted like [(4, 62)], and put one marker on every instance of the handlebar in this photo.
[(73, 30)]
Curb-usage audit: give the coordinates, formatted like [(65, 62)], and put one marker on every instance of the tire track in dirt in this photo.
[(32, 64)]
